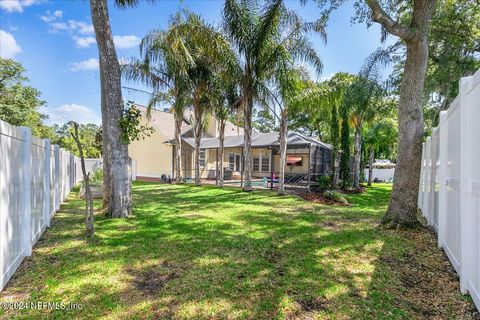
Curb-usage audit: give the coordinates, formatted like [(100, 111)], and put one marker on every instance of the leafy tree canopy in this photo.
[(19, 102), (89, 134)]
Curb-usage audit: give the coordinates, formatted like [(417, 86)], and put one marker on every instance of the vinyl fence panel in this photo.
[(35, 177), (12, 248), (450, 184)]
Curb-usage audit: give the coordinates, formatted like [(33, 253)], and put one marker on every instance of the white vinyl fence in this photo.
[(380, 174), (449, 194), (35, 177)]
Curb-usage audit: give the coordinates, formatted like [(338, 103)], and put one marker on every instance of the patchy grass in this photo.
[(207, 253)]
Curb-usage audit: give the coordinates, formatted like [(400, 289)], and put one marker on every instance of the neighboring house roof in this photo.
[(258, 140)]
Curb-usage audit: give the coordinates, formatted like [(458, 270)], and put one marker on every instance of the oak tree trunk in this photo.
[(370, 166), (117, 178), (247, 150), (402, 209), (357, 152), (222, 152), (178, 148), (283, 150)]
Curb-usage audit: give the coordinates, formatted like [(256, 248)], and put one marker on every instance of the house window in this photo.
[(202, 157), (231, 161), (256, 163), (265, 163), (238, 163)]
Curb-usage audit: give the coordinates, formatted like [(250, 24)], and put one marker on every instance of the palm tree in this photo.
[(260, 44), (212, 56), (290, 84), (380, 136), (164, 67), (362, 103), (227, 101), (364, 99)]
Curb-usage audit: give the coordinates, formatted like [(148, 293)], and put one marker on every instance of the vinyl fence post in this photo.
[(428, 181), (442, 177), (466, 150), (26, 190), (46, 183), (56, 154)]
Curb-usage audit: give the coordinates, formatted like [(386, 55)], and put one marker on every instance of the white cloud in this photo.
[(81, 27), (90, 64), (57, 26), (9, 47), (121, 42), (70, 112), (49, 17), (74, 26), (16, 5), (125, 42), (83, 42)]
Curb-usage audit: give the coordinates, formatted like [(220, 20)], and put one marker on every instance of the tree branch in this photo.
[(380, 16)]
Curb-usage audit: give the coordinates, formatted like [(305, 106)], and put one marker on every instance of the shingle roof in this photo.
[(258, 140)]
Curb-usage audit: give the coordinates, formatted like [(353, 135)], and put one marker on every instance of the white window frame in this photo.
[(233, 165), (204, 159), (260, 162), (268, 165)]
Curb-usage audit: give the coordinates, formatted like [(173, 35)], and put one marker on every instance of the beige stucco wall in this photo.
[(211, 126), (153, 157), (211, 164), (292, 170)]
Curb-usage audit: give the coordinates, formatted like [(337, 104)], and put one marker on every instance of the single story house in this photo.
[(154, 156)]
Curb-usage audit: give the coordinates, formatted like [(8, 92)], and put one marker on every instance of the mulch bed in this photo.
[(361, 189), (320, 198)]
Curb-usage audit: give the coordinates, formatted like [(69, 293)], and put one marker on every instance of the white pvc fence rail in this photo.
[(35, 177), (449, 194)]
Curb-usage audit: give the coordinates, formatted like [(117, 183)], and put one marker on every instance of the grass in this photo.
[(207, 253)]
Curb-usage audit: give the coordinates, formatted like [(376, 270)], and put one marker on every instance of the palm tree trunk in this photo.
[(222, 152), (198, 135), (178, 148), (247, 150), (117, 178), (283, 150), (334, 168), (370, 166), (356, 157)]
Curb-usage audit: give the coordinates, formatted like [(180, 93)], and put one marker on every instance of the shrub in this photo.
[(96, 176), (335, 196), (325, 182)]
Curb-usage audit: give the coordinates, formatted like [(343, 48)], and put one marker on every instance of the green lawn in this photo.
[(207, 253)]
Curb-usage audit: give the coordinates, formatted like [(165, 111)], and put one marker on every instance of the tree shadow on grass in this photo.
[(204, 252)]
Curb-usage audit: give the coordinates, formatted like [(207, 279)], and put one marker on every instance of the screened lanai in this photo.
[(307, 159)]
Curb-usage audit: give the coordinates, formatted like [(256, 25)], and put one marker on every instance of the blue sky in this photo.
[(54, 41)]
